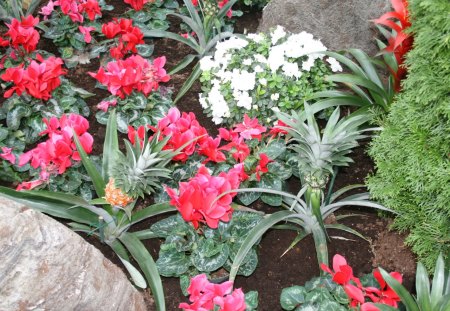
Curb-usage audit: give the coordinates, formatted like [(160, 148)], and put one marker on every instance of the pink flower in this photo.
[(206, 296), (250, 128), (48, 9), (104, 104), (7, 155), (28, 185), (201, 199), (71, 9), (86, 31)]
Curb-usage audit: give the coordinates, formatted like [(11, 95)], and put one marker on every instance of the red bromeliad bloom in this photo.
[(183, 129), (206, 296), (91, 8), (197, 200), (55, 155), (343, 275), (137, 4), (22, 34), (38, 79), (250, 128), (129, 36), (135, 73)]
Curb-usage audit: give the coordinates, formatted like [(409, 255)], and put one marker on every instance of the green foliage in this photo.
[(254, 3), (260, 74), (137, 110), (17, 9), (185, 252), (412, 152), (153, 15)]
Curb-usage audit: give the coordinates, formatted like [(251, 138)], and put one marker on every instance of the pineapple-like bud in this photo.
[(115, 196), (210, 8), (143, 167)]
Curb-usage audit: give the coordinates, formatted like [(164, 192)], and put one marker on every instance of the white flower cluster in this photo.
[(288, 55)]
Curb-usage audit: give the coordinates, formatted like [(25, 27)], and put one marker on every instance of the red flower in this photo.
[(210, 148), (55, 155), (278, 129), (183, 129), (197, 200), (385, 294), (262, 166), (238, 148), (129, 36), (137, 4), (7, 155), (91, 8), (140, 132), (250, 128), (39, 79), (134, 73), (23, 34), (70, 8)]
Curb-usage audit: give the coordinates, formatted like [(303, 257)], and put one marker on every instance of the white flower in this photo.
[(255, 107), (219, 107), (260, 58), (243, 80), (307, 65), (335, 65), (245, 101), (291, 70), (256, 37), (276, 57), (203, 101), (263, 81), (275, 96), (206, 63), (258, 69), (224, 75), (277, 34), (275, 109), (247, 62)]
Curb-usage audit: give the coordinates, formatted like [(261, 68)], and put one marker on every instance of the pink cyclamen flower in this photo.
[(7, 155), (48, 9), (105, 104), (250, 128), (207, 296), (86, 31)]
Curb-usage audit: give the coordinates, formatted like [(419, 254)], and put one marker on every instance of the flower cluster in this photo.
[(56, 154), (135, 73), (207, 296), (39, 79), (22, 34), (212, 6), (128, 36), (342, 274), (184, 130), (262, 74), (74, 9), (203, 200)]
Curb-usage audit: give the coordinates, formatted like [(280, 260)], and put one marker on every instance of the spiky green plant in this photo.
[(318, 153), (140, 170), (10, 9)]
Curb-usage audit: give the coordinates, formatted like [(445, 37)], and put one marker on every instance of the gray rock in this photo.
[(46, 266), (340, 24)]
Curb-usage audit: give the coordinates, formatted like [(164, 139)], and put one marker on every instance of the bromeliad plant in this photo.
[(119, 181), (259, 74), (208, 31), (317, 156), (17, 9)]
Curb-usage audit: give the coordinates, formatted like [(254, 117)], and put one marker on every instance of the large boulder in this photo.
[(46, 266), (340, 24)]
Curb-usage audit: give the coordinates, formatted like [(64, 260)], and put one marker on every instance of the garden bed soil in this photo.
[(384, 247)]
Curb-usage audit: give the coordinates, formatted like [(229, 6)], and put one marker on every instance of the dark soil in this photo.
[(385, 248)]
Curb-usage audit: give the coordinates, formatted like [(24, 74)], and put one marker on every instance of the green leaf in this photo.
[(210, 257), (173, 36), (145, 50), (173, 263), (110, 146), (137, 277), (248, 198), (196, 72), (147, 265), (251, 301), (152, 210), (437, 287), (270, 182), (291, 297), (183, 64), (423, 287), (274, 149), (97, 180), (15, 115), (401, 291)]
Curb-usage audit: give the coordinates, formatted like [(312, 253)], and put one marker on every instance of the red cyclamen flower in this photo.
[(38, 79), (197, 200), (91, 8), (262, 165), (23, 34), (205, 295), (56, 154), (135, 73), (137, 4), (71, 9), (128, 36)]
